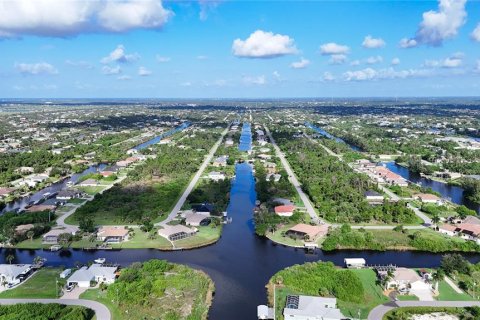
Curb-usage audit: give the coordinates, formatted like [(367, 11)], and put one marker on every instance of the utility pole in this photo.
[(274, 303)]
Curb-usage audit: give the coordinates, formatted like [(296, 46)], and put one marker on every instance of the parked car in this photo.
[(70, 287)]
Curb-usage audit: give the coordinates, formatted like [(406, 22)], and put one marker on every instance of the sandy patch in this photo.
[(434, 316)]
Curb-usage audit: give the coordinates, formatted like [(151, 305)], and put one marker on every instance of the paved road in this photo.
[(101, 311), (378, 312), (194, 181), (293, 179)]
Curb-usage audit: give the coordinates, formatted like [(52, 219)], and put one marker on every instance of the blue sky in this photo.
[(229, 49)]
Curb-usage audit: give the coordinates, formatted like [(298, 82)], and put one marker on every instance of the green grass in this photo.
[(76, 201), (138, 241), (92, 190), (405, 297), (278, 238), (40, 285), (373, 295), (35, 243), (100, 296), (446, 293), (205, 235)]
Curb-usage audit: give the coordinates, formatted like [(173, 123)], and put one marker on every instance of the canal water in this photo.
[(330, 136), (245, 137), (60, 185), (240, 263)]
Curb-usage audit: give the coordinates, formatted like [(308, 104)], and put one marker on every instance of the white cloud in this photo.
[(355, 63), (395, 61), (337, 59), (382, 74), (143, 72), (261, 44), (476, 33), (80, 64), (186, 84), (35, 68), (454, 61), (206, 6), (124, 78), (407, 43), (162, 59), (111, 70), (259, 80), (61, 18), (438, 26), (373, 43), (328, 76), (374, 60), (303, 63), (276, 75), (333, 48), (119, 55)]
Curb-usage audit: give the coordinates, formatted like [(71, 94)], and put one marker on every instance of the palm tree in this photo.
[(438, 276), (10, 258), (30, 234), (435, 220)]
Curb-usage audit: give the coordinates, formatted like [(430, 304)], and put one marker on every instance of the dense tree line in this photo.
[(216, 193), (52, 311), (8, 221)]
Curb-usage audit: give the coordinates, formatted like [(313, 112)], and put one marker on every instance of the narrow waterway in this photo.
[(240, 263), (330, 136), (60, 185), (246, 137)]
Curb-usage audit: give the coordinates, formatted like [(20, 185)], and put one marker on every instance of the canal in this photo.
[(240, 263)]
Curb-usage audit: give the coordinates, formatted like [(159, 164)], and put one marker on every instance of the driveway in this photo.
[(101, 311), (74, 294), (379, 311)]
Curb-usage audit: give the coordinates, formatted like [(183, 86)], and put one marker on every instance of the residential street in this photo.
[(101, 311)]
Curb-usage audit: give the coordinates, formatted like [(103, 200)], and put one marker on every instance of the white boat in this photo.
[(99, 260)]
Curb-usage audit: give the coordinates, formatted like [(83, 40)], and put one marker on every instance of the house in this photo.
[(176, 232), (5, 192), (448, 229), (355, 263), (311, 308), (404, 280), (196, 219), (51, 237), (13, 274), (271, 167), (306, 231), (282, 201), (113, 169), (95, 273), (428, 198), (264, 156), (373, 196), (204, 208), (89, 183), (220, 161), (114, 234), (216, 176), (265, 313), (229, 142), (273, 176), (68, 194), (285, 211), (23, 228), (469, 231), (472, 220)]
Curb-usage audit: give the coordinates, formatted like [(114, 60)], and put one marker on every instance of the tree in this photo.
[(64, 238), (438, 276), (10, 258), (435, 220), (87, 224), (30, 234)]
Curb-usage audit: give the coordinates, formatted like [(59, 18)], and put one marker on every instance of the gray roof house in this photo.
[(13, 274), (312, 308), (96, 272)]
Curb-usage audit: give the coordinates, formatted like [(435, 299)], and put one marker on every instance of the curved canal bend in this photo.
[(240, 263)]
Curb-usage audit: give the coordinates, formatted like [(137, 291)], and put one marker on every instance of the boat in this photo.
[(99, 260), (55, 247)]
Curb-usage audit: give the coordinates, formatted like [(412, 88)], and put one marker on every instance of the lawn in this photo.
[(100, 296), (40, 285), (92, 190), (35, 243), (404, 297), (373, 295), (76, 201), (448, 294), (205, 235), (139, 241), (278, 238)]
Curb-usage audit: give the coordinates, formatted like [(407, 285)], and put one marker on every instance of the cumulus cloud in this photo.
[(337, 59), (119, 55), (303, 63), (382, 74), (440, 25), (476, 33), (124, 78), (407, 43), (333, 48), (373, 43), (261, 44), (143, 72), (60, 18), (162, 59), (111, 70), (207, 6), (374, 60), (39, 68), (454, 61), (355, 63), (395, 61), (259, 80)]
